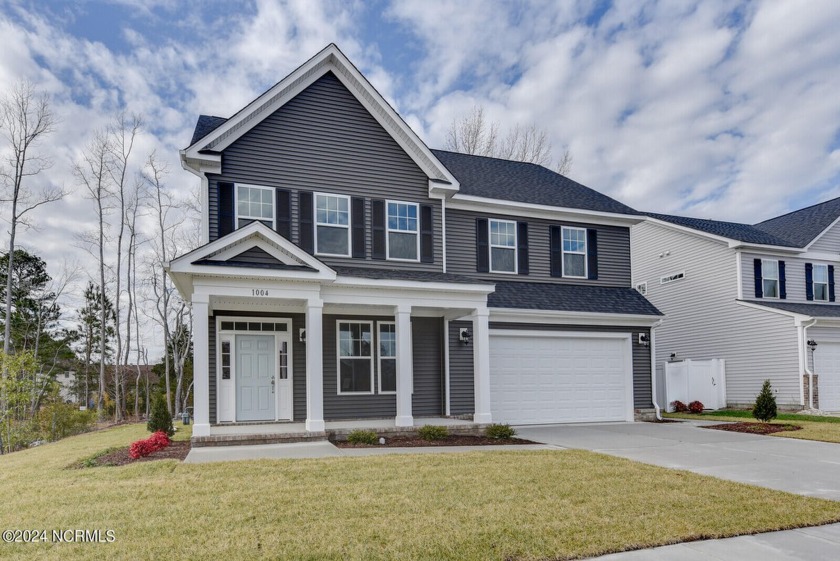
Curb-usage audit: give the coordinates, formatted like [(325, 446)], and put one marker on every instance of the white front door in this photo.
[(827, 368), (255, 378)]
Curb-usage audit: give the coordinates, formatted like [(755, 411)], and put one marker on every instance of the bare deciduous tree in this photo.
[(473, 134)]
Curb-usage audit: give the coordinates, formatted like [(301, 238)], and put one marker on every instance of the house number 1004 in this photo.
[(259, 292)]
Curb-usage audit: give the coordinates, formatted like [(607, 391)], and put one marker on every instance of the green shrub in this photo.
[(359, 436), (502, 432), (433, 432), (160, 419), (60, 420), (765, 404)]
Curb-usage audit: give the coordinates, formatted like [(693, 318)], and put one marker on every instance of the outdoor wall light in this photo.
[(302, 335), (465, 335), (644, 339), (812, 345)]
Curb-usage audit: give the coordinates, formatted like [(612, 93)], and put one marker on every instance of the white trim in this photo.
[(348, 226), (442, 228), (814, 282), (338, 356), (512, 315), (563, 252), (739, 275), (731, 243), (273, 193), (379, 357), (225, 395), (447, 393), (641, 288), (764, 277), (205, 208), (388, 232), (547, 212), (515, 246)]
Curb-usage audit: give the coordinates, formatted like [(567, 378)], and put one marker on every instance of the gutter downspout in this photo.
[(653, 368), (807, 368)]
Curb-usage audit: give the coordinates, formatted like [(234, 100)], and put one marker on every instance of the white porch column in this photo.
[(314, 366), (402, 317), (481, 364), (201, 365)]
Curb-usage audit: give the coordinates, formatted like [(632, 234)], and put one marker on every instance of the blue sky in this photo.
[(717, 108)]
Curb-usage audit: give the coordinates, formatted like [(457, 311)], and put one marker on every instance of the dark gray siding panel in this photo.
[(642, 397), (213, 209), (256, 255), (427, 339), (613, 250), (325, 140), (211, 345), (461, 378), (338, 407)]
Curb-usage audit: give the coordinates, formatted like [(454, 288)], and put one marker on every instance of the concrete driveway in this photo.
[(797, 466)]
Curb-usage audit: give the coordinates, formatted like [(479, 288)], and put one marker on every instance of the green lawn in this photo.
[(814, 427), (475, 506)]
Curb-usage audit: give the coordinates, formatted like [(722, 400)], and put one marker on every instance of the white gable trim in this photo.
[(730, 242), (532, 210), (329, 59)]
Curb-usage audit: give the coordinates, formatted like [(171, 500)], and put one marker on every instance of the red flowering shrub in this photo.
[(680, 407), (146, 446), (695, 407)]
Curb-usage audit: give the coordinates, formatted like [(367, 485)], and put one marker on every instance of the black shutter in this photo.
[(782, 289), (427, 235), (556, 250), (809, 281), (378, 209), (522, 247), (358, 227), (759, 290), (227, 214), (831, 283), (283, 213), (592, 253), (482, 246), (306, 222)]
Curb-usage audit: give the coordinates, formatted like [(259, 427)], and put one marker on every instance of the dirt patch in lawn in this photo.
[(177, 450), (452, 440), (754, 428)]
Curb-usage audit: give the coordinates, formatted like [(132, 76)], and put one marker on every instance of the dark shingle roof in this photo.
[(392, 274), (813, 310), (803, 225), (731, 230), (524, 183), (570, 298), (205, 125)]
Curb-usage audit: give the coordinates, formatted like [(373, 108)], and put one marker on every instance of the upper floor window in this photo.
[(770, 278), (820, 282), (574, 252), (403, 231), (332, 225), (254, 203), (502, 246)]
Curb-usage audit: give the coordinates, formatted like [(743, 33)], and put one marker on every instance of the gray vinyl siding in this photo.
[(829, 242), (613, 250), (211, 346), (427, 361), (703, 319), (794, 276), (324, 140), (461, 372), (641, 354)]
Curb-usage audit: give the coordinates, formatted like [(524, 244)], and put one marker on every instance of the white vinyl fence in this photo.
[(696, 380)]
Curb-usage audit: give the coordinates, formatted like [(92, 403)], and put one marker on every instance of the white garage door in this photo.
[(827, 367), (540, 377)]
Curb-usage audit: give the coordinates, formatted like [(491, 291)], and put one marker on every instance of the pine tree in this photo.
[(765, 404), (160, 419)]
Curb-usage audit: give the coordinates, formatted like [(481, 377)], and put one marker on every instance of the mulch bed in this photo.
[(453, 440), (175, 451), (754, 428)]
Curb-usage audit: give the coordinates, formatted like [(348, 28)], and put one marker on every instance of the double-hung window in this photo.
[(770, 278), (574, 252), (820, 282), (387, 357), (403, 236), (355, 357), (502, 246), (332, 225), (254, 203)]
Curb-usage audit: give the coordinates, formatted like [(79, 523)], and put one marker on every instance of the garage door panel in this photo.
[(538, 379), (827, 367)]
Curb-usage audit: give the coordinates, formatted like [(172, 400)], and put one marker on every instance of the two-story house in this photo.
[(761, 297), (350, 272)]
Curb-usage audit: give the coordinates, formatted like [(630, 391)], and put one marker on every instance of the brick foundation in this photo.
[(807, 381), (644, 414)]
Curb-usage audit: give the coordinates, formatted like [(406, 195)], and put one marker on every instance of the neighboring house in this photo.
[(350, 272), (67, 390), (754, 295)]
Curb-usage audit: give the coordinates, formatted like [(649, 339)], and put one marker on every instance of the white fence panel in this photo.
[(696, 380)]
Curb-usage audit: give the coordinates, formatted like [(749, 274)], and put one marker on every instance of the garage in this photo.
[(827, 367), (539, 377)]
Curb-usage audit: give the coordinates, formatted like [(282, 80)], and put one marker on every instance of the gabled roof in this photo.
[(570, 298), (205, 125), (805, 225), (399, 274), (731, 230), (522, 182)]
